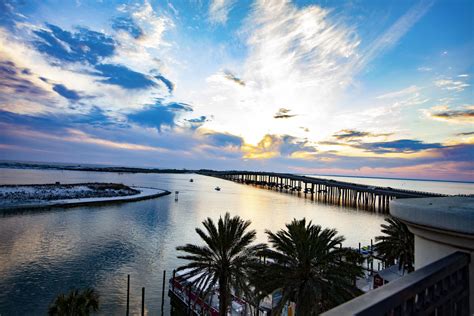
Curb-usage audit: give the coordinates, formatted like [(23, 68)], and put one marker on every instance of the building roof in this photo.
[(391, 273)]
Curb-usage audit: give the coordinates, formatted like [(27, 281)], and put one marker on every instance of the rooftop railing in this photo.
[(440, 288)]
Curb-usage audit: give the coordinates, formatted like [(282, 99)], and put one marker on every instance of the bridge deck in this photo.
[(327, 190)]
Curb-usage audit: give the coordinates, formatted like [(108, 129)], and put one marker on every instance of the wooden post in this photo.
[(174, 276), (128, 295), (143, 301), (163, 292)]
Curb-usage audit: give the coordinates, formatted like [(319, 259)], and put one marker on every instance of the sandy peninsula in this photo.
[(31, 196)]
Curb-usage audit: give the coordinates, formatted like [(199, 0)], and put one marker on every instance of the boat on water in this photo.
[(217, 188), (191, 180)]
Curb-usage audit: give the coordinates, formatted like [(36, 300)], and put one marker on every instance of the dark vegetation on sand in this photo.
[(22, 194)]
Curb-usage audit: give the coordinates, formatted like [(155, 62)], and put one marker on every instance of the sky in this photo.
[(361, 88)]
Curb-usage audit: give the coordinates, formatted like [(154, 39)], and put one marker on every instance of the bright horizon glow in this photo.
[(368, 89)]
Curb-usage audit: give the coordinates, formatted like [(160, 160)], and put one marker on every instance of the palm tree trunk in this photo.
[(223, 296)]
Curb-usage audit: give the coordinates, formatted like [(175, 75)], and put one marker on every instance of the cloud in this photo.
[(167, 82), (283, 114), (229, 75), (124, 77), (398, 146), (401, 93), (272, 146), (392, 35), (465, 134), (223, 139), (127, 24), (17, 82), (106, 89), (462, 115), (444, 162), (180, 106), (219, 10), (83, 45), (7, 13), (197, 122), (451, 85), (93, 48), (79, 136), (151, 25), (57, 122), (354, 135), (424, 69), (158, 115), (71, 95), (200, 119), (291, 145), (299, 55), (348, 134), (445, 170)]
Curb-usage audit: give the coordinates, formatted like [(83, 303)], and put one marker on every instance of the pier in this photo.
[(373, 198)]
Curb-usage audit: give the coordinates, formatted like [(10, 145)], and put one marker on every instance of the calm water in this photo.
[(44, 253)]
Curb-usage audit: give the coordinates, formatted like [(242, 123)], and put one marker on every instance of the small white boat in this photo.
[(217, 188)]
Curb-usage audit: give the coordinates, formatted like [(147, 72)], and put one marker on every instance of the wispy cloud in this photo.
[(18, 83), (354, 135), (232, 77), (296, 55), (283, 114), (465, 134), (81, 137), (398, 146), (464, 115), (392, 35), (219, 10), (401, 93), (424, 69), (451, 85), (145, 24)]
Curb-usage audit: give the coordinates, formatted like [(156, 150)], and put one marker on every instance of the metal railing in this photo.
[(440, 288)]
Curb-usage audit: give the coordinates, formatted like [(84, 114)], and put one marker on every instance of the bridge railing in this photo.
[(440, 288)]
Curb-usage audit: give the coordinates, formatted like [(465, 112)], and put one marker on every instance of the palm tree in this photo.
[(224, 259), (75, 303), (398, 243), (310, 268)]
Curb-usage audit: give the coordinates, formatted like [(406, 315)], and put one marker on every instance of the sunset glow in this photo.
[(371, 88)]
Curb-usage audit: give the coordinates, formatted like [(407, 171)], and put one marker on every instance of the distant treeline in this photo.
[(22, 165)]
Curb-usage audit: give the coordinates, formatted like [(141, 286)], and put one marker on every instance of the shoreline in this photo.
[(6, 164), (145, 194)]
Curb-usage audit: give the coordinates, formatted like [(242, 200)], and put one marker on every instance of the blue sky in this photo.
[(372, 88)]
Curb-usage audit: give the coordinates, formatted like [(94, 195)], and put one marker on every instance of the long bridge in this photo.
[(374, 198)]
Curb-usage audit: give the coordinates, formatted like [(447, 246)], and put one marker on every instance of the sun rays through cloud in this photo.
[(302, 86)]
